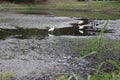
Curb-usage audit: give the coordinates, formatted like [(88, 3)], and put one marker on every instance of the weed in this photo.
[(2, 19), (6, 76), (114, 75)]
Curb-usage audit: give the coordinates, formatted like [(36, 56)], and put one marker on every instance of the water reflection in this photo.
[(90, 28), (21, 33)]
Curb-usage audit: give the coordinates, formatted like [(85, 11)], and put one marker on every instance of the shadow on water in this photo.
[(21, 33)]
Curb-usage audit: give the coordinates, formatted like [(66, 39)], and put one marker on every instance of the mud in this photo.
[(47, 57), (31, 58), (14, 20)]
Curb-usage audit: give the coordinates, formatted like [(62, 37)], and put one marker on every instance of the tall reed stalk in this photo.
[(100, 42), (115, 75)]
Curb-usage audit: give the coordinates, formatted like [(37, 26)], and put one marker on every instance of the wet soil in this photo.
[(30, 52), (32, 57)]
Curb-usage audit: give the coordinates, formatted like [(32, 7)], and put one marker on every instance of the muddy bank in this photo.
[(40, 55), (30, 59), (14, 20), (34, 59), (10, 20)]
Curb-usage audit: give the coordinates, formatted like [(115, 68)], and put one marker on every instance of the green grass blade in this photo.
[(102, 31), (75, 76), (84, 56), (70, 78), (114, 64), (99, 67)]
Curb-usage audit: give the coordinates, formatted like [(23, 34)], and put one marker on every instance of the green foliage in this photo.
[(100, 42), (97, 42), (72, 77), (105, 76), (115, 75), (68, 6), (62, 77), (6, 76), (114, 64), (99, 75)]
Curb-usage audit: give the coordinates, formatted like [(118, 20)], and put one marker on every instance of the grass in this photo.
[(100, 74), (95, 9), (71, 13), (66, 4), (86, 14), (109, 48), (6, 76)]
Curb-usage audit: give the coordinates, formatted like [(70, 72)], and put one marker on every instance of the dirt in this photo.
[(31, 58), (44, 59), (14, 20)]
